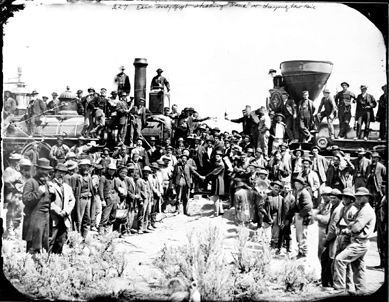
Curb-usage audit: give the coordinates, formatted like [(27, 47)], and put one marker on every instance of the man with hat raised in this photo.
[(123, 82), (329, 252), (302, 212), (38, 193), (53, 105), (35, 108), (376, 173), (360, 230), (59, 151), (109, 196), (329, 112), (382, 113), (343, 101), (60, 210), (364, 113), (84, 195), (159, 82)]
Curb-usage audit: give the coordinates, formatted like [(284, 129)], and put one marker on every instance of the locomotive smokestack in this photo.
[(140, 80)]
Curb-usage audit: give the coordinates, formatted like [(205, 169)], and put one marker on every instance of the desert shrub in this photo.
[(81, 272)]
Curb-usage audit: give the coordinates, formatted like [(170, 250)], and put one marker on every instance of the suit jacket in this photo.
[(303, 205), (77, 192), (132, 190), (382, 109), (289, 108), (245, 120), (335, 216), (123, 82), (313, 181), (63, 201), (217, 175), (159, 82), (322, 166), (331, 173), (360, 167), (275, 208), (143, 113), (379, 175), (122, 115), (370, 101), (35, 108), (187, 171)]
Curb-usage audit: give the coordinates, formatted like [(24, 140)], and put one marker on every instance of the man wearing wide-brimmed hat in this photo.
[(35, 108), (302, 212), (364, 113), (329, 112), (109, 196), (53, 105), (335, 173), (382, 113), (60, 210), (360, 168), (297, 161), (311, 178), (360, 230), (319, 164), (376, 173), (123, 81), (343, 101), (59, 151), (88, 103), (277, 131), (305, 117), (322, 217), (329, 252), (38, 194)]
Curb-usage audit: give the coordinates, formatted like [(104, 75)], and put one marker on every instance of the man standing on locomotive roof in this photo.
[(329, 112), (343, 101), (364, 113), (123, 82), (159, 82)]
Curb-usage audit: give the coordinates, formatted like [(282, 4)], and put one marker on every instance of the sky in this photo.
[(216, 59)]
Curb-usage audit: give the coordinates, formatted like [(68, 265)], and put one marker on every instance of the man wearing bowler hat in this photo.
[(159, 82), (343, 101), (53, 105), (38, 194), (302, 212), (360, 231), (123, 82), (60, 210), (364, 114), (329, 112), (376, 173), (382, 113)]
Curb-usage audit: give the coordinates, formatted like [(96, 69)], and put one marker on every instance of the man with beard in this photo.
[(143, 156), (343, 101), (364, 113), (105, 159), (53, 105), (302, 211), (319, 164), (59, 151), (305, 117), (182, 179), (285, 232), (122, 207), (277, 169), (141, 115), (152, 152), (382, 113), (169, 155), (289, 111), (297, 161), (72, 177), (335, 173), (327, 256), (275, 202), (84, 196), (123, 82), (329, 112), (109, 196), (38, 194), (360, 230), (123, 111), (312, 180), (376, 173), (60, 210), (133, 198), (323, 217)]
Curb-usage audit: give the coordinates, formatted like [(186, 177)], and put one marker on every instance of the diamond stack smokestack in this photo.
[(140, 80)]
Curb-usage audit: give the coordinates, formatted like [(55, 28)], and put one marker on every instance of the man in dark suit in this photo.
[(159, 82), (376, 173), (343, 101), (382, 113), (289, 111), (35, 108), (364, 113), (123, 82), (244, 120)]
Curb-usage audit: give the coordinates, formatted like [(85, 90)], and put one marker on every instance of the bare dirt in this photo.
[(143, 279)]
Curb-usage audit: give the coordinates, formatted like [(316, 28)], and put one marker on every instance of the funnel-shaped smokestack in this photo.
[(305, 75)]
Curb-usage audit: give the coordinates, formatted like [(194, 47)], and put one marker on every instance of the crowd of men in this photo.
[(86, 188)]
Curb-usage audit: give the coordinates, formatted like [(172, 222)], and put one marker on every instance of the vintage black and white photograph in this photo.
[(194, 151)]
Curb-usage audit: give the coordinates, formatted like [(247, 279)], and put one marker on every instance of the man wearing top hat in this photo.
[(159, 82), (302, 212), (329, 112), (343, 100), (38, 194), (60, 210), (360, 230), (59, 151), (35, 108), (364, 114), (382, 113), (53, 105), (123, 82), (376, 173)]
